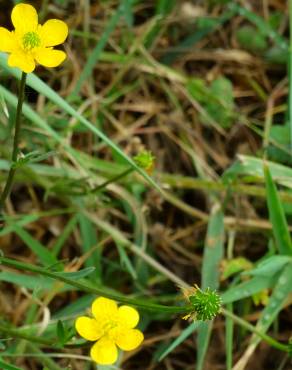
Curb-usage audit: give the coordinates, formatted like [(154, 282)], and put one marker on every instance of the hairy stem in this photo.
[(9, 181)]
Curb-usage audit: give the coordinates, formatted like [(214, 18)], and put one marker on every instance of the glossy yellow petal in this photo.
[(7, 40), (21, 60), (128, 316), (49, 57), (128, 340), (53, 32), (88, 328), (104, 352), (24, 18), (104, 309)]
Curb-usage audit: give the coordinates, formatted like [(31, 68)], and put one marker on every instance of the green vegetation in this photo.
[(152, 167)]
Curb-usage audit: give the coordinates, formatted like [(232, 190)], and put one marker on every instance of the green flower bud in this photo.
[(145, 160)]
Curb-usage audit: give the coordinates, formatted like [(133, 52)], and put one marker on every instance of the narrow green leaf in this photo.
[(277, 216), (89, 241), (126, 262), (213, 253), (44, 255), (248, 288), (6, 366), (128, 12), (76, 275), (183, 336)]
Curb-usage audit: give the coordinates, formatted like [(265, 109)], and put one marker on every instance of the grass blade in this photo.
[(213, 253), (277, 216), (183, 336)]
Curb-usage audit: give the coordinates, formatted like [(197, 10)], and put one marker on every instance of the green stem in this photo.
[(271, 341), (93, 290), (12, 170), (110, 181), (15, 333)]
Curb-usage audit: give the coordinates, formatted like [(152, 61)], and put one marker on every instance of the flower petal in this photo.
[(49, 57), (53, 32), (7, 40), (104, 352), (24, 18), (128, 340), (21, 60), (104, 309), (88, 328), (128, 316)]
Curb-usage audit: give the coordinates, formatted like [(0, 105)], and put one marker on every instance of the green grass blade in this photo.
[(254, 169), (26, 281), (277, 216), (183, 336), (44, 255), (128, 12), (68, 229), (248, 288), (89, 242), (281, 291), (229, 338), (213, 253), (6, 366)]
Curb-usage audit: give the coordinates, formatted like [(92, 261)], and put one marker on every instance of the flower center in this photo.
[(31, 40), (109, 325)]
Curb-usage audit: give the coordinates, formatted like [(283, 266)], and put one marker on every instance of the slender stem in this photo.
[(144, 304), (273, 342), (110, 181), (12, 170), (15, 333)]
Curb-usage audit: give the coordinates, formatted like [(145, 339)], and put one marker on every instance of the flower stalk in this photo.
[(10, 177)]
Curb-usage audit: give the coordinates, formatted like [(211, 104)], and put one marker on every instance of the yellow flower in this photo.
[(31, 42), (111, 326)]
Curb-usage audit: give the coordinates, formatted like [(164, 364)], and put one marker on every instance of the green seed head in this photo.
[(31, 40), (205, 304), (145, 160)]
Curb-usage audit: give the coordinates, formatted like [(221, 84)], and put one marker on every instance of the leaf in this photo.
[(269, 266), (254, 168), (183, 336), (234, 266), (61, 333), (280, 293), (213, 253), (128, 12), (277, 216), (76, 275), (43, 253), (248, 288), (6, 366)]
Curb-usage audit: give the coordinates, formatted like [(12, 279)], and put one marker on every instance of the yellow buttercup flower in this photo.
[(111, 326), (31, 42)]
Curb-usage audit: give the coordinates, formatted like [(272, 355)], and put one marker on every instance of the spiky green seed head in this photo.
[(205, 304)]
